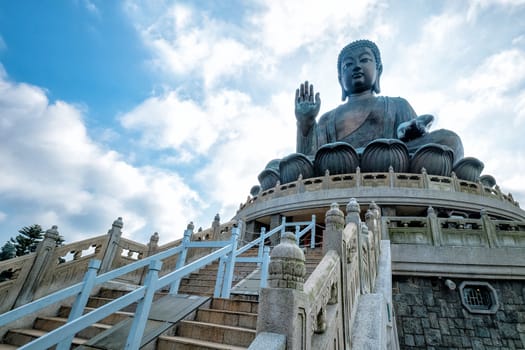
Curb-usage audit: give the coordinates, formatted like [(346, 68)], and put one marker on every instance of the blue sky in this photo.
[(165, 112)]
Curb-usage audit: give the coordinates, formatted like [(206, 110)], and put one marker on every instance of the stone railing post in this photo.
[(435, 230), (426, 178), (111, 248), (333, 240), (489, 228), (373, 222), (216, 227), (455, 182), (275, 220), (282, 304), (332, 235), (43, 261), (153, 244), (391, 177), (353, 211)]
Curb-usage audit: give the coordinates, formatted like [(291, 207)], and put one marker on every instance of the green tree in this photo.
[(28, 239), (8, 251)]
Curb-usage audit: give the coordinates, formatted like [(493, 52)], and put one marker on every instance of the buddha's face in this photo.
[(358, 70)]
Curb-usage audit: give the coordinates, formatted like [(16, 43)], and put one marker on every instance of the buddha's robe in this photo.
[(378, 118)]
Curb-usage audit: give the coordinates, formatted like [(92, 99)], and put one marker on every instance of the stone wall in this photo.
[(430, 315)]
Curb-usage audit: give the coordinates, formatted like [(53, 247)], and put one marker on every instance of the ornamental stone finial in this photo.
[(190, 226), (154, 238), (334, 216), (52, 233), (118, 223), (287, 268), (353, 206)]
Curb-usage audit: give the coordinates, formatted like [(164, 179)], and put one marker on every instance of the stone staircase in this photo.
[(225, 324), (217, 324)]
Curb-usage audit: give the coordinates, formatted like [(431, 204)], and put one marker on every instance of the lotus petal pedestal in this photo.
[(337, 158), (380, 154), (436, 159), (294, 165), (468, 169)]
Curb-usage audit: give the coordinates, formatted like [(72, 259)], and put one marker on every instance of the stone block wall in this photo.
[(430, 315)]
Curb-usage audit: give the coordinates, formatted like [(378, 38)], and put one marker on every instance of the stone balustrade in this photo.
[(430, 230), (389, 179), (51, 268), (325, 312)]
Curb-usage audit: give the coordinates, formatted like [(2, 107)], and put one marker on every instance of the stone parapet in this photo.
[(389, 180), (385, 196)]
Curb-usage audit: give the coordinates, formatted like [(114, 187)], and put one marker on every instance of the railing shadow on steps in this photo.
[(227, 254)]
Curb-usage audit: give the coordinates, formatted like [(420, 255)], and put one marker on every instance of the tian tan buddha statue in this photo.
[(367, 131)]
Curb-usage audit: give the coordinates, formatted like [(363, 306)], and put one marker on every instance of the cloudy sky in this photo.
[(165, 112)]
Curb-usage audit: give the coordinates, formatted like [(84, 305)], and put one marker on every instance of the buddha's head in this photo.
[(359, 68)]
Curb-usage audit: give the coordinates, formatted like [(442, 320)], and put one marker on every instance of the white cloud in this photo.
[(477, 6), (499, 73), (58, 175), (230, 131), (285, 26), (186, 41)]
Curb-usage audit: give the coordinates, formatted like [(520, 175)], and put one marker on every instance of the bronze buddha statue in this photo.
[(370, 131)]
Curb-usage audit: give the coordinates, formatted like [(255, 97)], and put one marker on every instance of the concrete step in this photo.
[(196, 290), (227, 318), (111, 319), (235, 305), (198, 282), (22, 336), (50, 323), (182, 343), (221, 334)]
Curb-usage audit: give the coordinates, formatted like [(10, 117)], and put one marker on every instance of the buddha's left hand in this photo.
[(414, 128)]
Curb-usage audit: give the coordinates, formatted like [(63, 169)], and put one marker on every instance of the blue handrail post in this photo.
[(174, 288), (264, 267), (220, 278), (230, 262), (261, 245), (312, 241), (297, 233), (283, 226), (142, 312), (81, 300)]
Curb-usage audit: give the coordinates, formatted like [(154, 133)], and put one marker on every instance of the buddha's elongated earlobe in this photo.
[(344, 93), (377, 88)]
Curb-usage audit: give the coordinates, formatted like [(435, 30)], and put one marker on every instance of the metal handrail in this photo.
[(227, 255)]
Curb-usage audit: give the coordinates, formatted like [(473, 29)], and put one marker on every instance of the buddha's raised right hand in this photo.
[(306, 107)]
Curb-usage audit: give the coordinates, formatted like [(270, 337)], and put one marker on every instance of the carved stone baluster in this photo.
[(112, 247), (43, 261)]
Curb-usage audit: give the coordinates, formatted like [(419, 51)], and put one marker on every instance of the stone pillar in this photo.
[(333, 240), (111, 250), (282, 305), (43, 261), (489, 228), (216, 227), (248, 233), (435, 230), (275, 221), (153, 244), (332, 235), (373, 220)]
